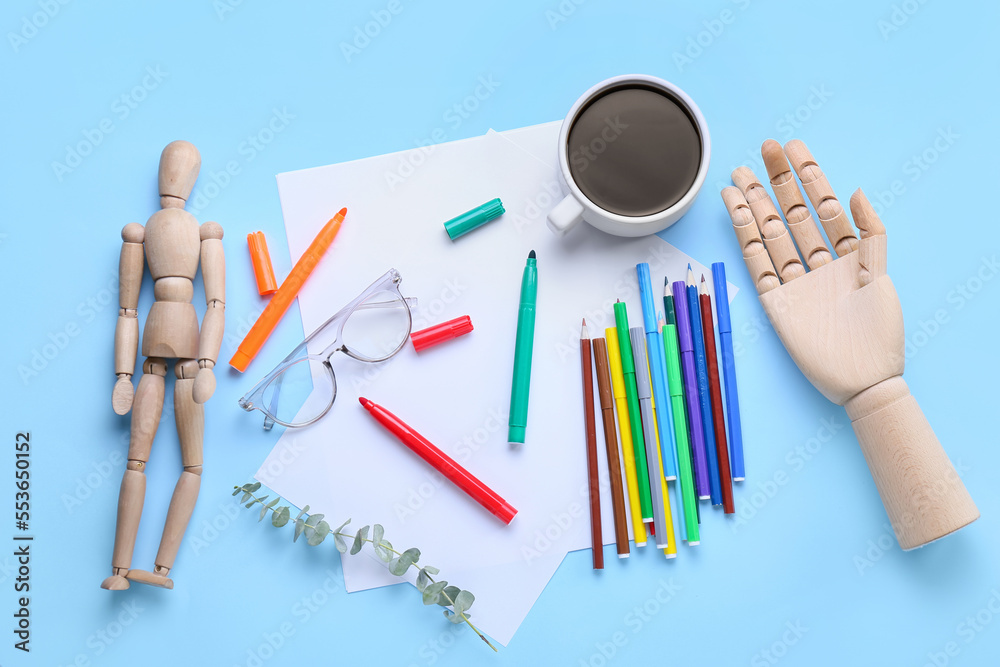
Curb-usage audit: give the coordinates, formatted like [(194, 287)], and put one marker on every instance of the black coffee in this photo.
[(634, 150)]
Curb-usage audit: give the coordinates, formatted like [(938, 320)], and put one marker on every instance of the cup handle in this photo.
[(565, 215)]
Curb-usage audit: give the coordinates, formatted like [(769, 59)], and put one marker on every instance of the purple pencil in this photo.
[(691, 388)]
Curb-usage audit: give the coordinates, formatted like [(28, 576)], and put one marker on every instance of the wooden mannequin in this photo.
[(842, 324), (173, 242)]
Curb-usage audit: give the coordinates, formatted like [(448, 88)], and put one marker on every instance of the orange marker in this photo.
[(283, 298)]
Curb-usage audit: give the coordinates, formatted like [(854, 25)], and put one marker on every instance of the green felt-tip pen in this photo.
[(634, 415), (518, 420), (671, 348)]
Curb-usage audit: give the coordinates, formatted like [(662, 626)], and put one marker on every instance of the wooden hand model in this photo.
[(173, 243), (840, 320)]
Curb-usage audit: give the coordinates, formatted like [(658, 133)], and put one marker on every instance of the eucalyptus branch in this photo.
[(316, 530)]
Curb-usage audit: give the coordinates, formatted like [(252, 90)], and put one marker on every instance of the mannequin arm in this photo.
[(213, 270), (921, 491), (127, 330)]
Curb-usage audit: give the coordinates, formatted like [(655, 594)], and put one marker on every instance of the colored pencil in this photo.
[(721, 449), (701, 364), (611, 443), (634, 416), (625, 429), (596, 535), (645, 396), (697, 439), (729, 370)]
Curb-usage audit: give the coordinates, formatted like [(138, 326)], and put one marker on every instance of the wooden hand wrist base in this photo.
[(922, 493)]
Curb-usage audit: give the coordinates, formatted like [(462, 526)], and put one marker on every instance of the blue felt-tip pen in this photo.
[(729, 371), (658, 371), (701, 366)]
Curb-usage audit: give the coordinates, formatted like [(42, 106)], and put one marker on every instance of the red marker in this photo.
[(441, 462)]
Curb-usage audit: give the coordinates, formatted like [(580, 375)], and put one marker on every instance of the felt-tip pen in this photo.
[(521, 383), (441, 462)]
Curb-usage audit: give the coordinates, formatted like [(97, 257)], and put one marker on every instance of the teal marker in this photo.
[(518, 420)]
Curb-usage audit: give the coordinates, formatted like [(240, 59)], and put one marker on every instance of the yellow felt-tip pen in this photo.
[(625, 426)]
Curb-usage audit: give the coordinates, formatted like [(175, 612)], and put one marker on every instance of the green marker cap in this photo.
[(477, 217)]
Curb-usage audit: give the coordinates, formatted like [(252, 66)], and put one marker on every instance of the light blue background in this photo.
[(797, 560)]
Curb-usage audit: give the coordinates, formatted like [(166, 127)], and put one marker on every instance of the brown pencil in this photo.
[(715, 393), (596, 536), (611, 441)]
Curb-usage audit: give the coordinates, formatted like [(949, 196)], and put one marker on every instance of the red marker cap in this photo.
[(441, 332)]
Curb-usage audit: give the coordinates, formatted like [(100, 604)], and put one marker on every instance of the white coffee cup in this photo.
[(576, 206)]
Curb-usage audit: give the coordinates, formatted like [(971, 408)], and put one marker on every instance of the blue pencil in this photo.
[(729, 371), (705, 398)]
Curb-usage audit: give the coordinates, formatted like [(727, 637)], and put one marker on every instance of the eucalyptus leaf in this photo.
[(455, 618), (251, 504), (300, 525), (274, 502), (340, 529), (236, 490), (378, 532), (406, 559), (319, 533), (464, 600), (280, 517), (340, 542), (263, 513), (301, 512), (433, 592), (422, 580), (398, 566), (384, 551), (431, 569), (254, 487), (246, 497), (450, 593), (314, 519), (413, 555), (359, 540)]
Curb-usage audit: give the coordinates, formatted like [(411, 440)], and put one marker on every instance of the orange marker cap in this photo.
[(261, 260)]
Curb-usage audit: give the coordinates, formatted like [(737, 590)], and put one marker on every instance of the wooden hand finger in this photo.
[(800, 222), (778, 241), (754, 253), (831, 214), (872, 247)]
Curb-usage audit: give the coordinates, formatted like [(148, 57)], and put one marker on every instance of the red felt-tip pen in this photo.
[(441, 462)]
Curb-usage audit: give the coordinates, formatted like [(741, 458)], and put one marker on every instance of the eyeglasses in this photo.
[(303, 387)]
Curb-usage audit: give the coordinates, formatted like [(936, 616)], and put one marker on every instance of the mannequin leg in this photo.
[(190, 418), (146, 410)]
